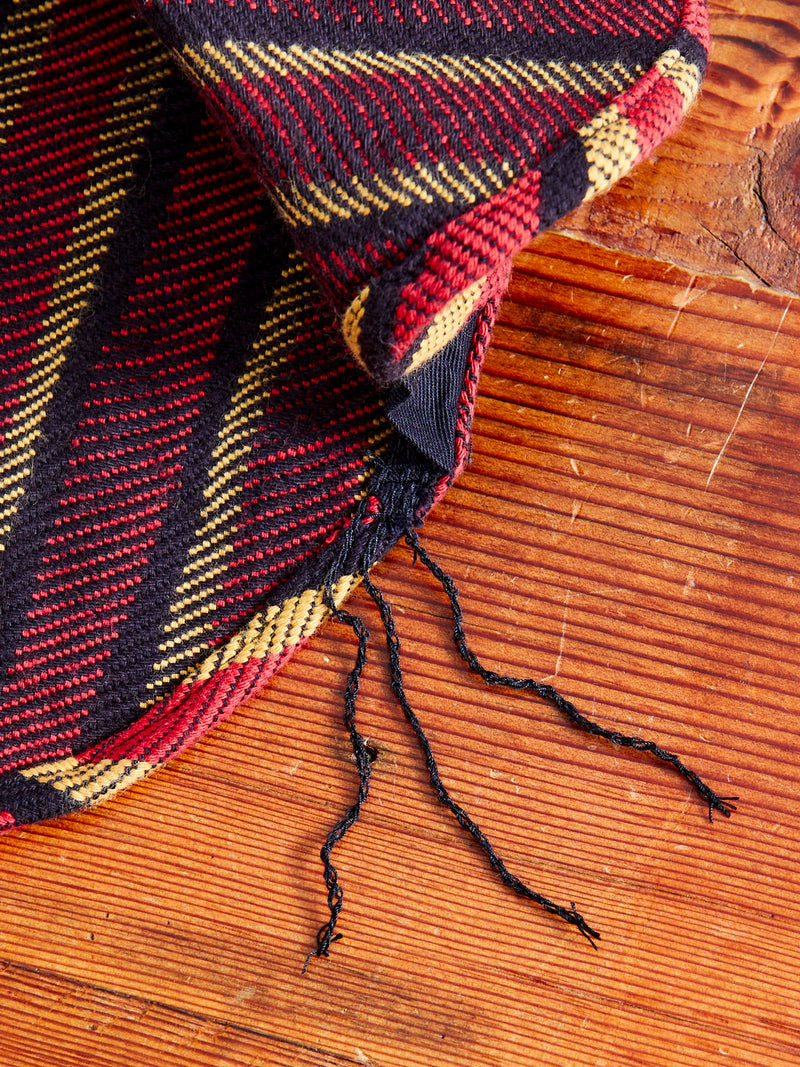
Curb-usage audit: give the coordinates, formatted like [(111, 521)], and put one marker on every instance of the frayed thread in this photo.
[(570, 915), (552, 696), (326, 935)]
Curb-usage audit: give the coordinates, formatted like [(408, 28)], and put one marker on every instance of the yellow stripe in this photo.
[(611, 147), (208, 559), (316, 203), (284, 316), (223, 61), (26, 32), (607, 137), (446, 324), (269, 633), (108, 179), (459, 185), (198, 67), (348, 204), (615, 77), (351, 324), (442, 328), (273, 631), (611, 140), (86, 782), (685, 76)]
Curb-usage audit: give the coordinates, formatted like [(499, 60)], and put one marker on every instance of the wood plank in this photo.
[(629, 529), (90, 1025)]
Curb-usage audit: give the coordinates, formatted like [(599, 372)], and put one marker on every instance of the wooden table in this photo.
[(629, 529)]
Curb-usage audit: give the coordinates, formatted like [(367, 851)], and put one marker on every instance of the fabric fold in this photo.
[(413, 149), (219, 366)]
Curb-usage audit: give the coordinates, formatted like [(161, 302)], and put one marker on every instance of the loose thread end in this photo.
[(326, 935), (574, 918), (570, 915), (721, 804), (325, 938)]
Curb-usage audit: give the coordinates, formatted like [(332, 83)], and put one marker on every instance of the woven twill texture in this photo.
[(193, 438), (413, 148)]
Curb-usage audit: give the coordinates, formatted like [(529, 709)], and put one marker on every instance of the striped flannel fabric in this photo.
[(200, 343)]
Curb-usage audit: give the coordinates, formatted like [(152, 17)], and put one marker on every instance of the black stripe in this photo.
[(30, 801), (563, 43), (148, 616), (142, 210)]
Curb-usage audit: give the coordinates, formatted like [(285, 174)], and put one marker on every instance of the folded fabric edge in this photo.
[(410, 309), (426, 300)]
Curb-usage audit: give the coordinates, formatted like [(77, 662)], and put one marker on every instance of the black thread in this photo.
[(569, 915), (363, 756), (552, 696)]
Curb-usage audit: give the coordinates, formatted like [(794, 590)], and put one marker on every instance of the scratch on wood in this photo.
[(729, 438), (363, 1058), (563, 635), (562, 642), (683, 301)]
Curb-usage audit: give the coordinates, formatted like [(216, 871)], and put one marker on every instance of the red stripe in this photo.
[(654, 106), (128, 467), (175, 723), (476, 245)]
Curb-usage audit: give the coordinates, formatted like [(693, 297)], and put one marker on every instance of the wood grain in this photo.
[(723, 196), (629, 529)]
